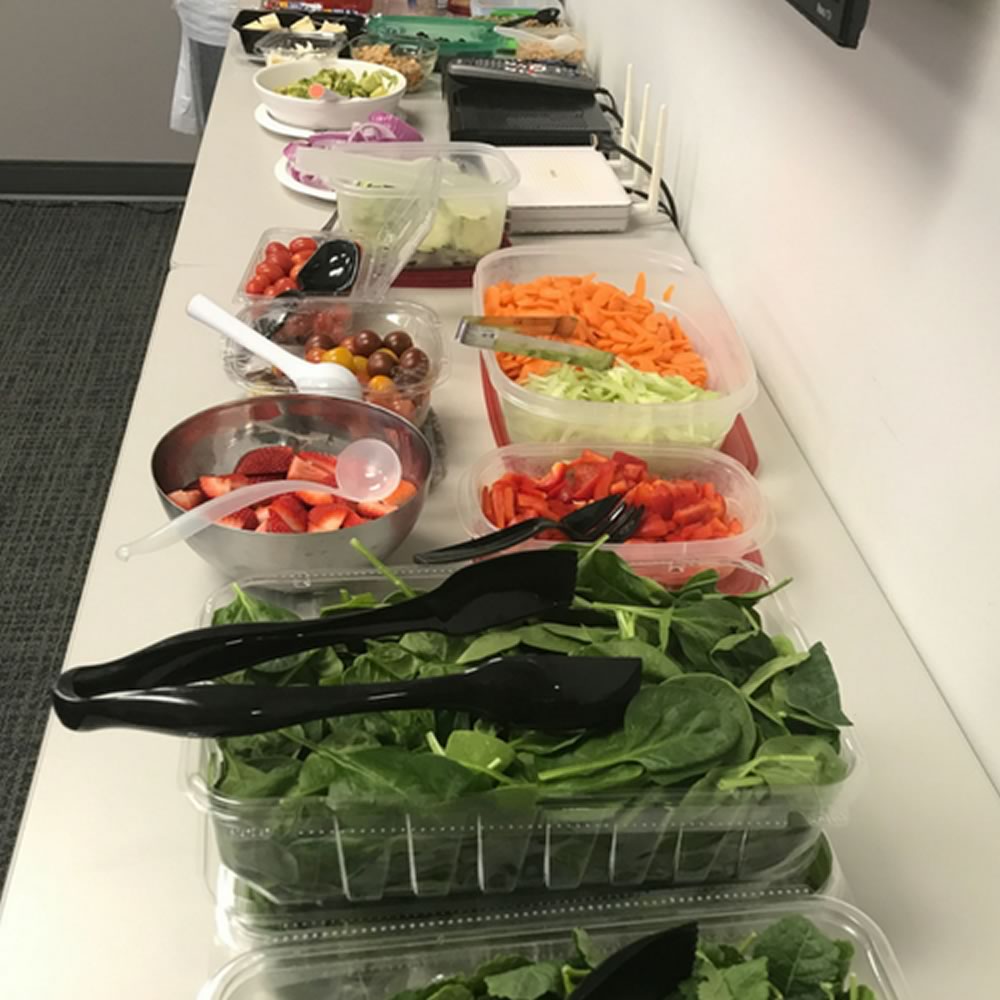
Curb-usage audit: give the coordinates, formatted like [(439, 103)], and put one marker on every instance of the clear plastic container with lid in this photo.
[(476, 181), (328, 851), (380, 959), (292, 322), (531, 416), (744, 500)]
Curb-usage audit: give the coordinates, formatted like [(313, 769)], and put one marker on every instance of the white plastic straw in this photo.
[(627, 108)]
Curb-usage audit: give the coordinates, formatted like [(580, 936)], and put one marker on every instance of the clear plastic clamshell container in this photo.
[(744, 500), (531, 416), (320, 851), (378, 960), (291, 322), (476, 181)]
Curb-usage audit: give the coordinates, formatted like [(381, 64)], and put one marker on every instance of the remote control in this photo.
[(539, 74)]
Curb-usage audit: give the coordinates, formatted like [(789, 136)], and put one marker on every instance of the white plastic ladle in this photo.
[(325, 379), (367, 469)]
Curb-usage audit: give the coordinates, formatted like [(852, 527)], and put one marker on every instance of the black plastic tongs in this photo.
[(157, 687)]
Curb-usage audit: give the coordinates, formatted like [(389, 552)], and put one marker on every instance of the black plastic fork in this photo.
[(611, 516)]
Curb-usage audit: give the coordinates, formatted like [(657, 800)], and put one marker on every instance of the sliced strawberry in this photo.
[(217, 486), (314, 498), (274, 524), (290, 510), (269, 460), (266, 477), (322, 459), (375, 508), (401, 493), (186, 499), (261, 512), (241, 519), (352, 520), (328, 517), (304, 468)]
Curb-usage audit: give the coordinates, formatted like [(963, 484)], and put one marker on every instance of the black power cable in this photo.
[(609, 146)]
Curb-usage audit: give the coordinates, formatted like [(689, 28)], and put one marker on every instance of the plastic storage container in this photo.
[(340, 318), (321, 852), (414, 57), (476, 181), (250, 37), (376, 961), (740, 490), (286, 46), (530, 416), (455, 36)]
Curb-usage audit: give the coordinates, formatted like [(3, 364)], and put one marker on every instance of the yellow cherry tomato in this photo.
[(340, 356), (381, 383), (360, 365)]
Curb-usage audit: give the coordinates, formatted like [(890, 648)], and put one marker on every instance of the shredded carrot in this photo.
[(610, 319)]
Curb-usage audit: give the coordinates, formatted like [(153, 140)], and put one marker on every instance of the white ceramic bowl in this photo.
[(314, 114)]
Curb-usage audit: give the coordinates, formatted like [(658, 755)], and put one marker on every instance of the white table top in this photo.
[(107, 896)]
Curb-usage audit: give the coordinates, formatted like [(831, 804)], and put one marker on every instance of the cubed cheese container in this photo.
[(740, 491), (522, 415), (476, 181), (379, 960), (327, 851), (291, 322)]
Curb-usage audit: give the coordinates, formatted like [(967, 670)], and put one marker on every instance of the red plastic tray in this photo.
[(442, 277), (738, 444)]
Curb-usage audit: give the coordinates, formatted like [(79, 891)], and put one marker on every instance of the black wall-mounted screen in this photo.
[(842, 20)]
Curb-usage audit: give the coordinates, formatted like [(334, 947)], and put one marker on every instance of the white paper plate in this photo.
[(285, 179), (263, 117)]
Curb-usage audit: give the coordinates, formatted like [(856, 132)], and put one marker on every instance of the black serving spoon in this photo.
[(487, 595), (551, 692), (548, 15), (648, 969), (332, 269)]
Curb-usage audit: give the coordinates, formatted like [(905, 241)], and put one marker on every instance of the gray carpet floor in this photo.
[(79, 287)]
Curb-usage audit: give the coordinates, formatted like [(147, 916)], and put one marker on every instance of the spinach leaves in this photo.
[(790, 959), (727, 715)]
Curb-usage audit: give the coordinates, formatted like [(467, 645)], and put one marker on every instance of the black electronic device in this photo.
[(506, 112), (842, 20), (552, 75)]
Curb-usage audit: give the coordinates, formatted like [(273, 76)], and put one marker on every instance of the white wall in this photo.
[(93, 81), (846, 206)]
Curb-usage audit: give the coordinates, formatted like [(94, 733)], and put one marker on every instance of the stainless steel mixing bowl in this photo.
[(211, 442)]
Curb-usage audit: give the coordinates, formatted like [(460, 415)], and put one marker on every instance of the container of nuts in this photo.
[(394, 348), (413, 57)]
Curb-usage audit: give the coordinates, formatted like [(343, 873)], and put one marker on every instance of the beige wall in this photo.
[(90, 80), (845, 206)]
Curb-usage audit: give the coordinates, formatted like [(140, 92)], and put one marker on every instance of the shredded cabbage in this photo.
[(621, 384)]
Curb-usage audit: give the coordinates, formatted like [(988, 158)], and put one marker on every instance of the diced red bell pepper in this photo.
[(486, 502), (653, 527), (694, 513), (553, 479), (602, 484), (592, 456), (624, 458)]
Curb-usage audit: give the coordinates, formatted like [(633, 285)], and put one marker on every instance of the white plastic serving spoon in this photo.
[(367, 469), (325, 379)]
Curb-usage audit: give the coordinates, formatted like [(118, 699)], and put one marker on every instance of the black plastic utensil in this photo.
[(487, 595), (548, 15), (648, 969), (332, 269), (554, 692), (610, 516)]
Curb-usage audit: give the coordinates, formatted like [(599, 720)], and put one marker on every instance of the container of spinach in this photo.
[(816, 949), (731, 760)]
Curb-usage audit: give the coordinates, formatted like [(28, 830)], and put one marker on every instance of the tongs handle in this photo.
[(222, 710)]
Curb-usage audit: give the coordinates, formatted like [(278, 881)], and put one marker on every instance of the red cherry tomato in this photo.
[(294, 272), (301, 257), (284, 285), (302, 244), (269, 271), (271, 291), (255, 286), (273, 247), (280, 257)]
